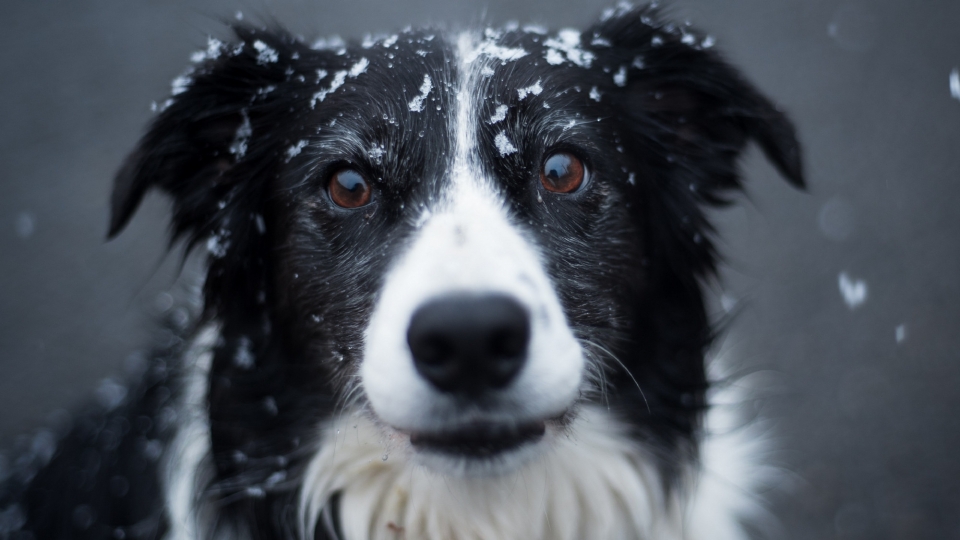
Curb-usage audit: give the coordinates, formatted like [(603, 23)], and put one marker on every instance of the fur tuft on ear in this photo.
[(204, 131)]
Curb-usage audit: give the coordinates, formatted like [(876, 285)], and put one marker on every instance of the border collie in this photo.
[(454, 291)]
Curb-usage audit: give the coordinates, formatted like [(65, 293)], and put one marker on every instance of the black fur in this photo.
[(292, 278)]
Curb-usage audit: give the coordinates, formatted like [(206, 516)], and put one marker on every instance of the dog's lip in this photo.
[(479, 439)]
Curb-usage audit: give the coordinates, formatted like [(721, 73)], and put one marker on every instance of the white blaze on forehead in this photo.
[(468, 244)]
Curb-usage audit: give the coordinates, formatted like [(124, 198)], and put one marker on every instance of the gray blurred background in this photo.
[(848, 294)]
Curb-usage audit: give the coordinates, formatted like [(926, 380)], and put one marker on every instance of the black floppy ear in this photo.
[(195, 147), (691, 106)]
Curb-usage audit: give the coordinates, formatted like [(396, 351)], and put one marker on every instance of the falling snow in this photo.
[(594, 94), (503, 144), (854, 291), (900, 333), (416, 105), (25, 224), (955, 84), (111, 394)]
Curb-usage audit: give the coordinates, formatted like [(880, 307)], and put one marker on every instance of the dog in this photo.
[(454, 290)]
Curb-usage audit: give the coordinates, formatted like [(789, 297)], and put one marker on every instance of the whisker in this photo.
[(612, 356)]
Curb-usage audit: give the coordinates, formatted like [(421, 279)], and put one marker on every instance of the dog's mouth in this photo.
[(480, 440)]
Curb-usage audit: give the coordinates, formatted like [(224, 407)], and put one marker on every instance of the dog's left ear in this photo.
[(197, 148), (690, 105)]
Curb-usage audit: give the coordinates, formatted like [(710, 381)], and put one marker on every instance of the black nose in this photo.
[(469, 343)]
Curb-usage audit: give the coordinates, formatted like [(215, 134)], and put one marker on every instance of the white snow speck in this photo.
[(503, 144), (567, 42), (535, 29), (25, 224), (955, 83), (598, 41), (243, 358), (390, 41), (217, 244), (330, 43), (261, 225), (294, 150), (688, 39), (239, 145), (416, 104), (708, 42), (275, 478), (180, 85), (359, 67), (110, 394), (594, 94), (656, 41), (632, 179), (638, 62), (338, 79), (570, 125), (265, 53), (499, 114), (534, 89), (421, 52), (321, 74), (376, 153), (854, 291), (620, 77), (238, 15), (213, 50), (553, 57), (900, 333), (486, 71), (489, 48)]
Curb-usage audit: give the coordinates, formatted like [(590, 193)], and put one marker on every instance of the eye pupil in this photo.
[(349, 189), (562, 173)]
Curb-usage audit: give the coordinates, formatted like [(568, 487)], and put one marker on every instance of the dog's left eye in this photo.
[(349, 189), (562, 172)]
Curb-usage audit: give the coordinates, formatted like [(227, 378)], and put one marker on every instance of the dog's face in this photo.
[(468, 237)]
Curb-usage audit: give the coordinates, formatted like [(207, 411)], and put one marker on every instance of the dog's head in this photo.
[(468, 237)]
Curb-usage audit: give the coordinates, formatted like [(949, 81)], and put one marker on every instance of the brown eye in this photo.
[(562, 173), (349, 189)]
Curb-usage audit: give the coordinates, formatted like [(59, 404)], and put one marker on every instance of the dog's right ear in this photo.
[(205, 132)]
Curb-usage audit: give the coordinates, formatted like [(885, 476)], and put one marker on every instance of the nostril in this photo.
[(469, 343)]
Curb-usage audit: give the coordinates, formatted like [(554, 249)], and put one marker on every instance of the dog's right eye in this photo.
[(349, 189), (562, 172)]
